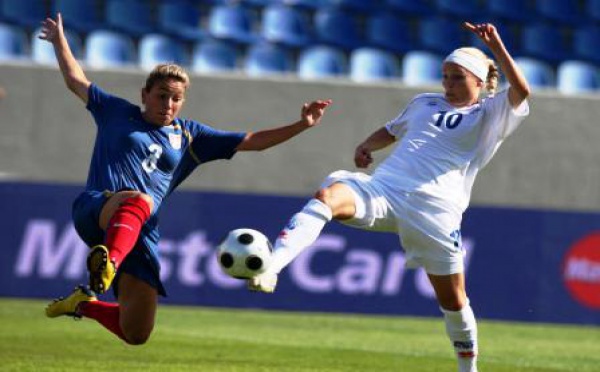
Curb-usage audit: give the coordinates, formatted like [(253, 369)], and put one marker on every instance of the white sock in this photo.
[(300, 232), (461, 328)]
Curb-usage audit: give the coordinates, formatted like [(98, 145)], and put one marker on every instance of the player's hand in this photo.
[(362, 157), (312, 112), (52, 29), (487, 32)]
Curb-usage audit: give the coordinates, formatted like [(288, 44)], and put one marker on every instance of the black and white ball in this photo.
[(244, 253)]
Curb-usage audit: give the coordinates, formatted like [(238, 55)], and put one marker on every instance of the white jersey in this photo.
[(442, 148)]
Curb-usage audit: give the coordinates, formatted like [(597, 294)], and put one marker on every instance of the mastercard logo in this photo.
[(581, 271)]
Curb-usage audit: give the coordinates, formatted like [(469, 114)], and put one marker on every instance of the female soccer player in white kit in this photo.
[(422, 189)]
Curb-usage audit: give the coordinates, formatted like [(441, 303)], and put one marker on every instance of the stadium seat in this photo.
[(257, 4), (465, 9), (358, 6), (133, 17), (180, 19), (263, 59), (13, 43), (412, 7), (586, 43), (539, 74), (232, 22), (305, 4), (79, 15), (106, 49), (24, 13), (561, 11), (439, 35), (543, 41), (368, 64), (159, 48), (592, 10), (322, 61), (421, 68), (286, 25), (214, 56), (389, 31), (42, 52), (574, 77), (337, 28), (509, 10)]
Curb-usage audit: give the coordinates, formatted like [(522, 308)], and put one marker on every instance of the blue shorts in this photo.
[(140, 262)]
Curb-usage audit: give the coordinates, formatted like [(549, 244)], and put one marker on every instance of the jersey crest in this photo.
[(175, 140)]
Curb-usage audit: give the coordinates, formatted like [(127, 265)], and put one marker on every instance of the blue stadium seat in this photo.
[(413, 7), (543, 41), (232, 22), (286, 25), (322, 61), (24, 13), (305, 4), (358, 6), (213, 55), (133, 17), (106, 49), (389, 31), (42, 52), (466, 9), (592, 9), (13, 43), (159, 48), (561, 11), (421, 68), (258, 4), (368, 64), (263, 59), (586, 43), (439, 35), (337, 28), (539, 74), (80, 15), (509, 10), (575, 77), (180, 19)]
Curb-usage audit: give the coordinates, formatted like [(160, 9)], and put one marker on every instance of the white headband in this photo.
[(476, 65)]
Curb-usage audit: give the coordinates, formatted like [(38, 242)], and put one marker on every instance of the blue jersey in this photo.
[(130, 153)]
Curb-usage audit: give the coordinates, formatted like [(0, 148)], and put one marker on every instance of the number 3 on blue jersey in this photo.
[(449, 121), (149, 164)]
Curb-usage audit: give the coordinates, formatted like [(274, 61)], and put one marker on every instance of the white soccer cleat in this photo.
[(265, 282)]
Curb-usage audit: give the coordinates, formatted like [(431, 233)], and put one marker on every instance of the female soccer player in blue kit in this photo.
[(139, 158), (422, 188)]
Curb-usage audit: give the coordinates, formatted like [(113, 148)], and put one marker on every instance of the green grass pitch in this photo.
[(225, 340)]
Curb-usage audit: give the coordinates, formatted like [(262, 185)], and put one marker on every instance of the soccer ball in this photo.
[(244, 253)]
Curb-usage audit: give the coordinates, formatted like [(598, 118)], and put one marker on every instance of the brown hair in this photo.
[(167, 71), (493, 76)]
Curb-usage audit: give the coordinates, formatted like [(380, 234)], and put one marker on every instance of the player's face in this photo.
[(163, 101), (461, 86)]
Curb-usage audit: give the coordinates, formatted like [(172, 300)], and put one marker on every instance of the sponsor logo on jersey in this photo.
[(581, 271)]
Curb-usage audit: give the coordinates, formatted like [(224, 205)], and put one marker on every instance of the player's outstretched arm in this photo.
[(310, 116), (519, 88), (53, 32)]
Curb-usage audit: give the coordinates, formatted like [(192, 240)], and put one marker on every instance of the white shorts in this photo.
[(429, 231)]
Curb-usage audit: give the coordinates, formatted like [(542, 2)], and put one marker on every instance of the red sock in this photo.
[(105, 313), (124, 228)]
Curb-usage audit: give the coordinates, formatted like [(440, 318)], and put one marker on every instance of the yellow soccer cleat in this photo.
[(102, 270), (265, 282), (68, 306)]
